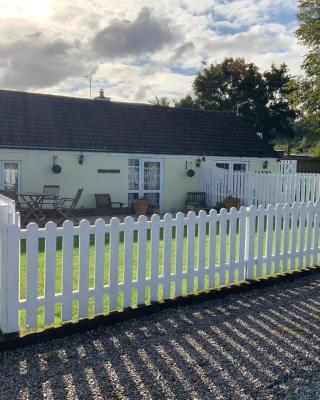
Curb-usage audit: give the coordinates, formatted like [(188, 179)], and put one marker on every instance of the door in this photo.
[(145, 180)]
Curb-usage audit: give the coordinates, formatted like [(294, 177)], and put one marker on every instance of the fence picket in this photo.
[(50, 272), (250, 241), (278, 223), (242, 243), (179, 253), (260, 241), (310, 219), (286, 226), (222, 247), (114, 263), (67, 269), (99, 265), (232, 243), (315, 253), (212, 247), (294, 231), (127, 268), (167, 252), (32, 248), (201, 248), (302, 228), (190, 250), (10, 307), (142, 240), (269, 240), (84, 244)]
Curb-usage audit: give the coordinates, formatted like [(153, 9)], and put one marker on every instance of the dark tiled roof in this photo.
[(54, 122)]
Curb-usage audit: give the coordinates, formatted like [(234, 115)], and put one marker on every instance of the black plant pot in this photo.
[(56, 169), (190, 173)]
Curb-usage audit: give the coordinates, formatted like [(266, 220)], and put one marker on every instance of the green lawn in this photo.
[(41, 259)]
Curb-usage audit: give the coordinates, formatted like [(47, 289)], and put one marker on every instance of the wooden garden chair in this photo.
[(195, 201), (64, 207), (52, 192), (104, 201)]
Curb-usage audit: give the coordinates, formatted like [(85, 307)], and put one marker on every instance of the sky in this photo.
[(138, 49)]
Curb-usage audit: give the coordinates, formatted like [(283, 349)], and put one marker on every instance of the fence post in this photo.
[(9, 272)]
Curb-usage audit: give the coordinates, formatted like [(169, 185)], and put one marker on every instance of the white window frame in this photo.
[(2, 177), (231, 164), (141, 190)]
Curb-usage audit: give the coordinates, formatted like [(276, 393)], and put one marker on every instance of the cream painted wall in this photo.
[(36, 171)]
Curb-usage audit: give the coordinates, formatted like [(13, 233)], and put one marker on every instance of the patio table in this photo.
[(33, 204)]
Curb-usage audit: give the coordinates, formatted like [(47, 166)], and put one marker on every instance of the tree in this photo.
[(309, 35), (280, 87), (262, 99), (160, 101), (186, 102)]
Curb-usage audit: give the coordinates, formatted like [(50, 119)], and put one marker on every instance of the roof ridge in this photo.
[(121, 103)]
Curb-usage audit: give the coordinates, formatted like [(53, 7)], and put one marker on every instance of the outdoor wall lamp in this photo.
[(265, 164), (81, 159), (198, 162)]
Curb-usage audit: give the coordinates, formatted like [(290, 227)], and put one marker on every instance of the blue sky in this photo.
[(138, 49)]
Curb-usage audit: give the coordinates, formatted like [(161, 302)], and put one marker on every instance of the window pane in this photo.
[(11, 176), (239, 167), (154, 198), (222, 165), (152, 175), (133, 175)]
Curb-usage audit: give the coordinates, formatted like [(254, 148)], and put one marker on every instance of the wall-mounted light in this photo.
[(203, 159), (81, 159), (198, 162), (265, 164)]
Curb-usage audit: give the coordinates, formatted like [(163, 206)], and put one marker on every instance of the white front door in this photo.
[(145, 178)]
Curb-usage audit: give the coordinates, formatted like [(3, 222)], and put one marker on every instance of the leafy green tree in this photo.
[(262, 99), (282, 114), (309, 35), (186, 102)]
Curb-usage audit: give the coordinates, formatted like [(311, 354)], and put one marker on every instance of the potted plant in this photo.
[(141, 206), (231, 201)]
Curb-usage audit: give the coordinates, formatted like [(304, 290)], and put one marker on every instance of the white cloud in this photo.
[(138, 49)]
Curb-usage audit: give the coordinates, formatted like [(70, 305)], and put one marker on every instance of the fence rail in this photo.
[(58, 274), (258, 188)]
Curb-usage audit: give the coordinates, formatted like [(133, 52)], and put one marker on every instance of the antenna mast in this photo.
[(89, 77)]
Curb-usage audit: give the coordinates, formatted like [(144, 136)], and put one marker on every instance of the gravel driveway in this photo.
[(264, 344)]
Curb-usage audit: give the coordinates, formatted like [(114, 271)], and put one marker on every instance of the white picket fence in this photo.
[(121, 265), (288, 166), (258, 188)]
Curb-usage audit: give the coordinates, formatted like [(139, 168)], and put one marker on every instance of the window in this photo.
[(232, 166), (239, 167), (10, 175), (133, 175)]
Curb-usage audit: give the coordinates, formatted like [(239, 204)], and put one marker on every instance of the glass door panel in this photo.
[(151, 173), (144, 180)]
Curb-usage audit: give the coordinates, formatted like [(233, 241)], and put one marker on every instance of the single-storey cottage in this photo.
[(127, 150)]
